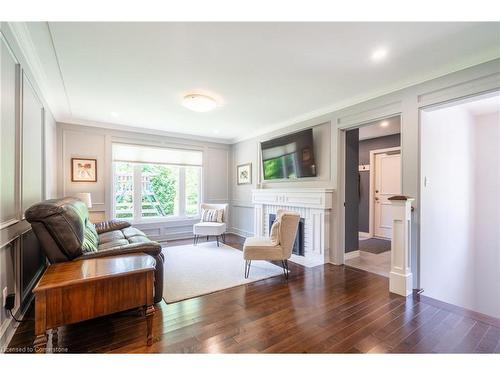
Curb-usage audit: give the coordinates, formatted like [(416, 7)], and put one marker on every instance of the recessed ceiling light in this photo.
[(379, 54), (384, 124), (114, 114), (199, 103)]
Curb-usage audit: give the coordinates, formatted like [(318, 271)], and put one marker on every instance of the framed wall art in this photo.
[(244, 174), (83, 170)]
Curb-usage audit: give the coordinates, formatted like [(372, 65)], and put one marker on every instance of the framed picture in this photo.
[(244, 174), (83, 170)]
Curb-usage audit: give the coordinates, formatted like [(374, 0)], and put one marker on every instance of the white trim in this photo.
[(351, 254), (326, 112), (240, 232), (338, 253), (147, 131), (364, 235), (23, 39), (371, 215)]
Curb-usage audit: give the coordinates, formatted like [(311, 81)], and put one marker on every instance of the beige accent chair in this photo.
[(207, 228), (258, 248)]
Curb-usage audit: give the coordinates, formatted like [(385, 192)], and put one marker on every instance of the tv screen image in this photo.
[(289, 157)]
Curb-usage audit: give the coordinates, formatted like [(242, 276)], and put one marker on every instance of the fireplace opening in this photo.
[(298, 245)]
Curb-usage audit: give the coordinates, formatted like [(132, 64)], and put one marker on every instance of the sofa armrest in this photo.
[(151, 248), (108, 226)]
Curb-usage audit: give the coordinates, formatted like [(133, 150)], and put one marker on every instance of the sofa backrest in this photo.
[(61, 226)]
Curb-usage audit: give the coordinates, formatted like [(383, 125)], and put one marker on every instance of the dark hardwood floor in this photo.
[(326, 309)]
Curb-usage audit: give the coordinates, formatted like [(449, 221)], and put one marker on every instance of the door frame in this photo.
[(371, 206), (338, 257)]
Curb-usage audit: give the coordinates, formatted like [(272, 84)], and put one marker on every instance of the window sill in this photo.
[(176, 219)]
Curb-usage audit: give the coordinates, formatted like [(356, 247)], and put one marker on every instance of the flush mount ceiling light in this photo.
[(199, 102), (384, 124), (379, 54)]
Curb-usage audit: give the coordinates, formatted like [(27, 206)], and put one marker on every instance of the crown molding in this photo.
[(34, 66), (72, 122), (327, 113)]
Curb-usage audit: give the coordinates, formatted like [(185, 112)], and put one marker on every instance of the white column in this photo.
[(400, 277), (258, 220)]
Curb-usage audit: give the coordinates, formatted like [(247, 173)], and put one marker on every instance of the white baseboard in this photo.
[(364, 235), (240, 232), (351, 254)]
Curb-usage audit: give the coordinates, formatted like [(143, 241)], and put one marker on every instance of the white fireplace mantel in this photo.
[(314, 206)]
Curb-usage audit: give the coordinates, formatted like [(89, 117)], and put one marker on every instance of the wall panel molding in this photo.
[(474, 86)]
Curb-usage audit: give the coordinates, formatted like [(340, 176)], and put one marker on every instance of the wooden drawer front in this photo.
[(76, 303)]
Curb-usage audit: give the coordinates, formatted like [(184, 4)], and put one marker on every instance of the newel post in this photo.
[(400, 277)]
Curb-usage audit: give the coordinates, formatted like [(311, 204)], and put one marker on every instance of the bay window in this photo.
[(155, 183)]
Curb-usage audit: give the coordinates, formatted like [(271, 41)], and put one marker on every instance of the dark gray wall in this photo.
[(364, 158), (351, 190)]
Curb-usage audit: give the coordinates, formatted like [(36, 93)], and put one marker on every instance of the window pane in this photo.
[(124, 190), (160, 191), (193, 179)]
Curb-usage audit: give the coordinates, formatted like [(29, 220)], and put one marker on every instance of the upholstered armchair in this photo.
[(211, 228), (277, 247)]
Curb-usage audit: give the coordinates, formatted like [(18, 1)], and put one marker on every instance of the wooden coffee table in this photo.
[(79, 290)]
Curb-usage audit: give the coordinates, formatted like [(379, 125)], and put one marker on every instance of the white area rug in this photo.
[(191, 271)]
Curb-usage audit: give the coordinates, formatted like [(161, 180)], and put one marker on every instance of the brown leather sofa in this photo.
[(65, 233)]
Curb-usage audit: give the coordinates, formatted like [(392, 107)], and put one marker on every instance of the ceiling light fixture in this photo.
[(114, 114), (199, 102), (379, 54), (384, 124)]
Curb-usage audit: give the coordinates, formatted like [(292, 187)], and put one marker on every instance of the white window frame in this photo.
[(137, 195)]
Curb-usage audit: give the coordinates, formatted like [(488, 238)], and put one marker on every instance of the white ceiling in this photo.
[(265, 75), (375, 130)]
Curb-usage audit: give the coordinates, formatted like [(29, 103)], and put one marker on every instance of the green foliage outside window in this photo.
[(163, 186)]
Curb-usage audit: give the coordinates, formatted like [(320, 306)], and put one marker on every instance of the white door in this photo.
[(387, 184)]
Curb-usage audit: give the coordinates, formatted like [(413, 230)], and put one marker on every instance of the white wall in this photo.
[(486, 217), (460, 215), (447, 206), (95, 143)]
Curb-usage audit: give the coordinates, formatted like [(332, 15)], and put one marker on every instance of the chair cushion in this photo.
[(259, 248), (275, 232), (209, 229), (131, 232), (212, 215), (111, 236), (112, 244)]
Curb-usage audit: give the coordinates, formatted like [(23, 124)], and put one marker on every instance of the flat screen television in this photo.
[(289, 157)]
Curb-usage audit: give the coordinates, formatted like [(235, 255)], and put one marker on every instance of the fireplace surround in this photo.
[(315, 208)]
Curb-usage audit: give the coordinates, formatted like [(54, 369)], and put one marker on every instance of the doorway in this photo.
[(460, 212), (372, 175)]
